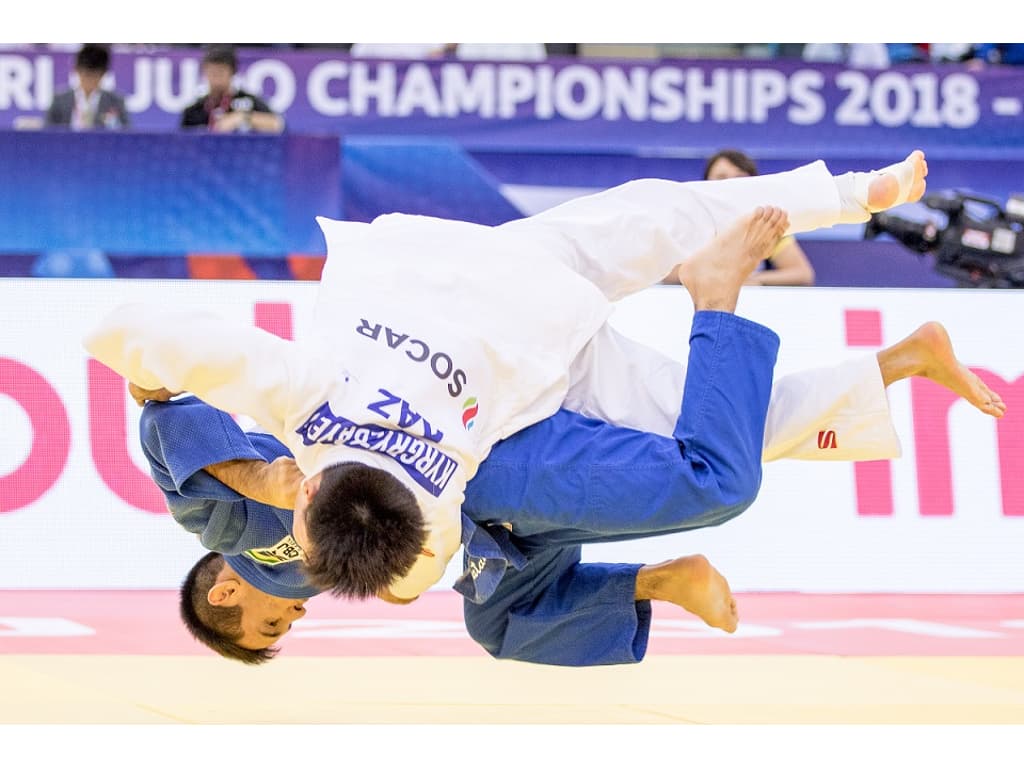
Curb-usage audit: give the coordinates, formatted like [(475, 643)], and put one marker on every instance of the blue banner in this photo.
[(665, 107), (153, 194)]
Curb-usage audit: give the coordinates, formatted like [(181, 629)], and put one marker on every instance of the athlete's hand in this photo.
[(283, 478), (140, 395)]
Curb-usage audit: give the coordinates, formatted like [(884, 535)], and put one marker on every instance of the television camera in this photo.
[(981, 244)]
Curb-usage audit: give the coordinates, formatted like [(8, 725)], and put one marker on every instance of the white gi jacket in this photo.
[(434, 340)]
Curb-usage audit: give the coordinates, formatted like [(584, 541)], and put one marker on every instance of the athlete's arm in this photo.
[(230, 365), (274, 483), (180, 439)]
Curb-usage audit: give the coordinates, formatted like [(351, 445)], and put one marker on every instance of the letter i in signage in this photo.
[(873, 478)]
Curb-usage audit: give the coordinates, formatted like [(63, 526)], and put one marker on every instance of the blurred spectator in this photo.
[(860, 55), (999, 53), (501, 51), (936, 53), (907, 53), (88, 107), (787, 50), (226, 109), (466, 51), (945, 52), (788, 265), (401, 50), (562, 49)]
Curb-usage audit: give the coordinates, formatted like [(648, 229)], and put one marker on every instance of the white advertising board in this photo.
[(77, 509)]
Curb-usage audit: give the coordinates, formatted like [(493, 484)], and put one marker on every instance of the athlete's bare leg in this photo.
[(693, 584), (928, 352), (714, 274)]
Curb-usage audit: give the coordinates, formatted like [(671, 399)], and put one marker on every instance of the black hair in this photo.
[(218, 627), (741, 160), (93, 58), (221, 54), (365, 530)]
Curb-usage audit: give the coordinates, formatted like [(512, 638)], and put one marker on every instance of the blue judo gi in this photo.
[(541, 493)]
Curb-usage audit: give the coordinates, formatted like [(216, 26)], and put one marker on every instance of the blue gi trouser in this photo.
[(627, 485)]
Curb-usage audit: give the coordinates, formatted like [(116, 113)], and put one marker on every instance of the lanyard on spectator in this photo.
[(222, 108)]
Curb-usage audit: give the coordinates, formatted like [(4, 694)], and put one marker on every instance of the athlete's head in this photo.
[(359, 527), (729, 164), (232, 617)]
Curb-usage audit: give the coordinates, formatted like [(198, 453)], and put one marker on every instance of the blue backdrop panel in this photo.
[(166, 193), (422, 176)]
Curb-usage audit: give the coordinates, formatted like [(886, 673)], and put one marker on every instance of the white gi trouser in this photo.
[(626, 383), (629, 237)]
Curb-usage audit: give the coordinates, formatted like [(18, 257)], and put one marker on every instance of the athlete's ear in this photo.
[(225, 593), (311, 485)]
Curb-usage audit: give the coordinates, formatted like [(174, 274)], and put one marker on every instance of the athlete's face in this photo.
[(265, 618), (724, 169)]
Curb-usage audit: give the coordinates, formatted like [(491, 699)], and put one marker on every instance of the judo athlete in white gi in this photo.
[(439, 338)]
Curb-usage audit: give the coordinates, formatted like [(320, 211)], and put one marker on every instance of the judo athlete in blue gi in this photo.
[(251, 586)]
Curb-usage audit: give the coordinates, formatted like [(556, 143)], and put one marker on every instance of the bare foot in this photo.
[(693, 584), (714, 274), (884, 188), (928, 352)]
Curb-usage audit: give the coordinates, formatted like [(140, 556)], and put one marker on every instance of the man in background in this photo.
[(226, 109), (87, 106)]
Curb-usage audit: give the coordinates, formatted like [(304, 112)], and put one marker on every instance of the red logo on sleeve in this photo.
[(826, 439)]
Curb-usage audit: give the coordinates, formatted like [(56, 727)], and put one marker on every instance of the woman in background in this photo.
[(788, 265)]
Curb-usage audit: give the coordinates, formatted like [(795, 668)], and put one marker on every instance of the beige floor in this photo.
[(662, 689)]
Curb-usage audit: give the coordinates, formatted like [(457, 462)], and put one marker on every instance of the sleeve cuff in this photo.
[(194, 435)]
